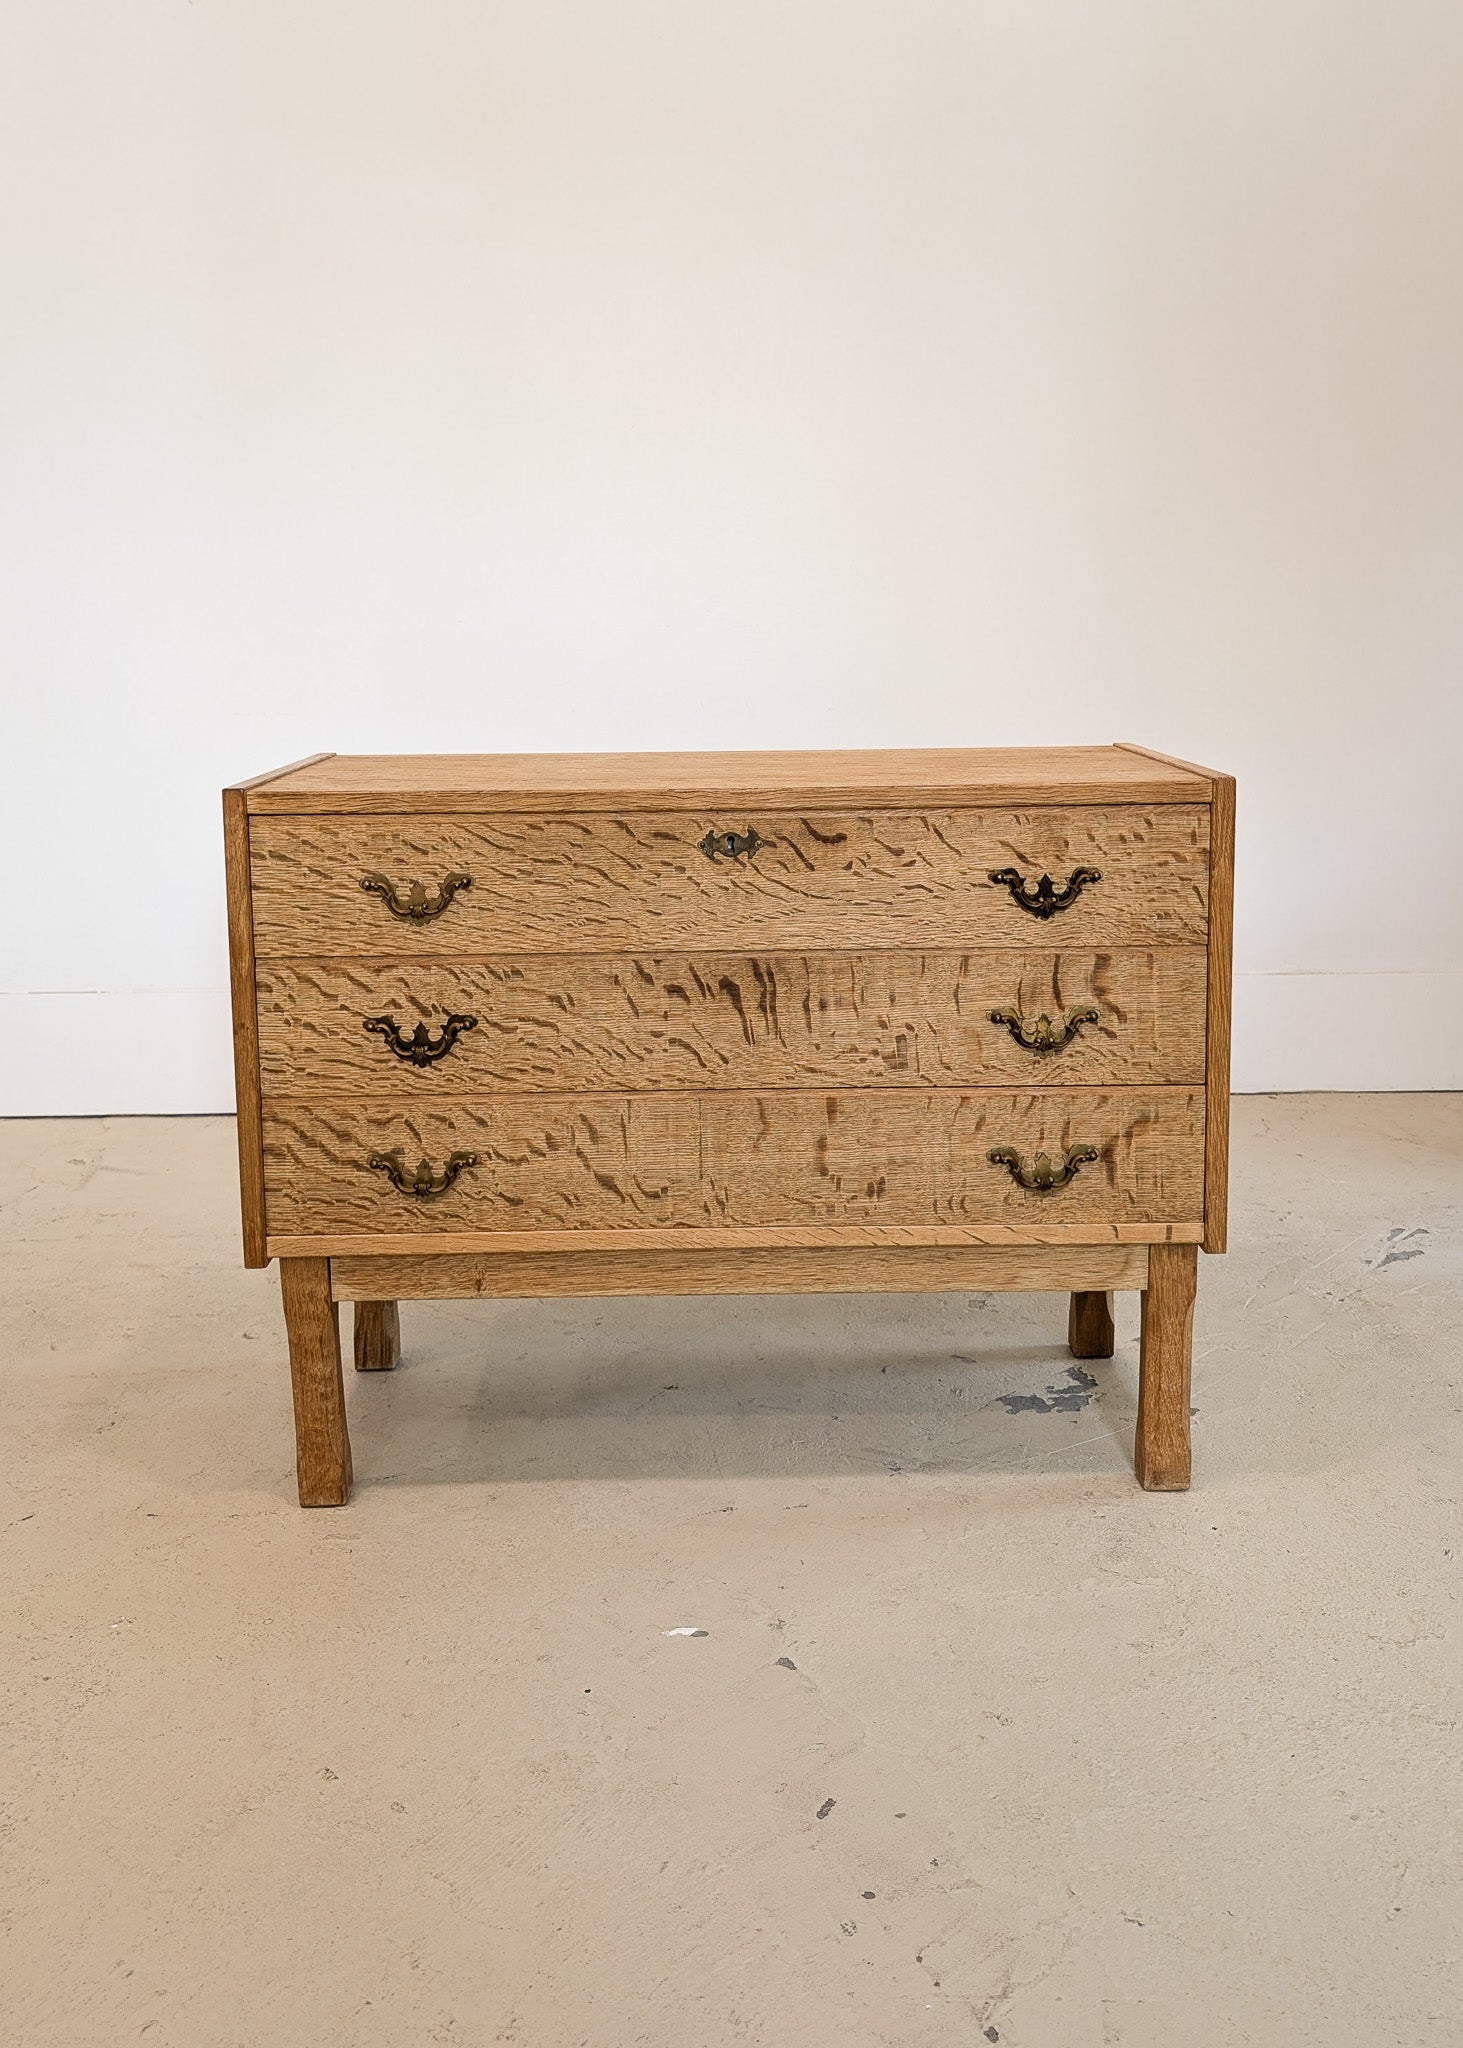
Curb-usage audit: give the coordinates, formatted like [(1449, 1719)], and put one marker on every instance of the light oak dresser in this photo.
[(731, 1023)]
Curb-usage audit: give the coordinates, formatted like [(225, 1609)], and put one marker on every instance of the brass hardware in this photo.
[(419, 1046), (732, 845), (1043, 1036), (1041, 1177), (1046, 900), (425, 1181), (416, 905)]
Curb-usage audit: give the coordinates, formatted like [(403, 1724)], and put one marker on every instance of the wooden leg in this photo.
[(322, 1445), (1089, 1326), (377, 1335), (1161, 1454)]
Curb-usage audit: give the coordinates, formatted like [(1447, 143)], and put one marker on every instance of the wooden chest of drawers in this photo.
[(681, 1023)]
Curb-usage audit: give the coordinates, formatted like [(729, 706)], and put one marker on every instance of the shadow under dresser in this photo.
[(608, 1024)]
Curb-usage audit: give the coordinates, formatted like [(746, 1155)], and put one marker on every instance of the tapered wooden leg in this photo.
[(1161, 1454), (1089, 1326), (322, 1445), (377, 1335)]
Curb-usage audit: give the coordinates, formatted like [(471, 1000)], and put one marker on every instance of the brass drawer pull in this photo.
[(1043, 1036), (419, 1046), (1041, 1177), (732, 845), (1046, 899), (425, 1181), (416, 905)]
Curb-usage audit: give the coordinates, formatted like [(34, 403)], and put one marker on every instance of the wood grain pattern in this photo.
[(608, 1022), (1221, 983), (884, 1269), (238, 883), (1161, 1456), (888, 777), (1090, 1332), (245, 1026), (386, 1244), (376, 1335), (713, 1160), (639, 881), (322, 1441)]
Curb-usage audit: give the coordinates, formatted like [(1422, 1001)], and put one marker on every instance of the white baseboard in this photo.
[(168, 1052), (161, 1052), (1345, 1032)]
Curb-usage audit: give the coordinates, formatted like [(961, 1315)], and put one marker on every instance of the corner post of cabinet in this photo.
[(1219, 1007), (246, 1023)]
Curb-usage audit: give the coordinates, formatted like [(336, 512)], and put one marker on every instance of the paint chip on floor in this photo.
[(686, 1631), (1406, 1249), (1058, 1399)]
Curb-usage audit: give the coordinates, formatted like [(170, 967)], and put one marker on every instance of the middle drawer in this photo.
[(536, 1023)]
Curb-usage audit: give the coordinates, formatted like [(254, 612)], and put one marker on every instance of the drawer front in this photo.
[(914, 1157), (601, 883), (605, 1023)]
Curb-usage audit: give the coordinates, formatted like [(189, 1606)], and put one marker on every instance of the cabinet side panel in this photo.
[(246, 1025), (1221, 950)]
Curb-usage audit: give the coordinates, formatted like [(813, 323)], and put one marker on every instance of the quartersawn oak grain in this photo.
[(709, 1160), (640, 882), (731, 1237), (608, 1022), (890, 778), (782, 1270)]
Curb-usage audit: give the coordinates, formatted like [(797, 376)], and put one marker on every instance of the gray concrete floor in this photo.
[(981, 1743)]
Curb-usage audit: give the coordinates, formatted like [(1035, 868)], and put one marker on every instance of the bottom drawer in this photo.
[(1120, 1156)]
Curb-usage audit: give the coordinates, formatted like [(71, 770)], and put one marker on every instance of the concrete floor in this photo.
[(981, 1743)]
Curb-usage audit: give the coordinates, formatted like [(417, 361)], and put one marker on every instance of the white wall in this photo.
[(483, 374)]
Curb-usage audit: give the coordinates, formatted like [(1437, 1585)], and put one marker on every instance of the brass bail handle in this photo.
[(416, 905), (1043, 1036), (419, 1046), (423, 1180), (1044, 1174), (1045, 899)]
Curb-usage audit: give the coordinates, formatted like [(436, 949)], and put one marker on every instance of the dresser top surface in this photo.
[(880, 776)]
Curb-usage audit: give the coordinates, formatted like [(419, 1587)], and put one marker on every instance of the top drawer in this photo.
[(421, 885)]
